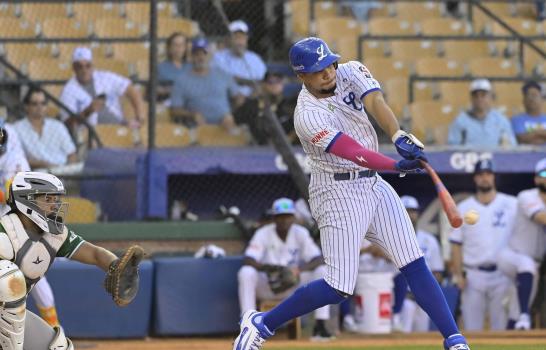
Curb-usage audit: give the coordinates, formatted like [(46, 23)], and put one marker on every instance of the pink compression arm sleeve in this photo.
[(348, 148)]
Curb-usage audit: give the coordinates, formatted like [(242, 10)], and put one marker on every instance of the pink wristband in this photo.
[(348, 148)]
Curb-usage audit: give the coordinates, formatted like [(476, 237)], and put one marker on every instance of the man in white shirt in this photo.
[(281, 243), (526, 246), (46, 141), (476, 247), (95, 94), (245, 66)]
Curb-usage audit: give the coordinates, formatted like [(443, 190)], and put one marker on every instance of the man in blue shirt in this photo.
[(482, 125), (530, 127), (245, 66), (201, 93)]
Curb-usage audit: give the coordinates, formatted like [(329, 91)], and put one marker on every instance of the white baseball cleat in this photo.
[(456, 342), (397, 325), (523, 323), (253, 332)]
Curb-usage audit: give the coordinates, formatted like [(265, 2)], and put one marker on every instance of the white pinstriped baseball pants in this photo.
[(349, 210)]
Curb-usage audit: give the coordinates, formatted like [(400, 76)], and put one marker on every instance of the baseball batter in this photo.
[(348, 199), (282, 243), (526, 246), (475, 250), (13, 160), (32, 234)]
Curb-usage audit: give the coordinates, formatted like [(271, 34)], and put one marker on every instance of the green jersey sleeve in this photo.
[(71, 244)]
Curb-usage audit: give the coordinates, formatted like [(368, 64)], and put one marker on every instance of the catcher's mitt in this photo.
[(280, 278), (122, 279)]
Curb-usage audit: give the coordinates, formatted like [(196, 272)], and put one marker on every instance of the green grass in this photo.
[(428, 347)]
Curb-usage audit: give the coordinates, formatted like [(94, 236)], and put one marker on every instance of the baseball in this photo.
[(471, 217)]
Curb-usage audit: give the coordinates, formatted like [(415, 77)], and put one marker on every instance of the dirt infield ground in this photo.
[(534, 340)]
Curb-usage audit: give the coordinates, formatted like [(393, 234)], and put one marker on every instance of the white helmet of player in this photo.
[(38, 196)]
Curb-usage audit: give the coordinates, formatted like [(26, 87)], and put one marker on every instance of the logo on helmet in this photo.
[(320, 52)]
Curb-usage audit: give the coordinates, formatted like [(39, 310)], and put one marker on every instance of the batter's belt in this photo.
[(354, 175)]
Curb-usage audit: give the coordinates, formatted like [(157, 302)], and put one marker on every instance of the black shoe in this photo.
[(320, 333)]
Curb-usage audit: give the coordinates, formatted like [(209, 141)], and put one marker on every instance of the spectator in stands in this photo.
[(201, 93), (245, 66), (481, 125), (362, 10), (271, 92), (168, 70), (94, 95), (46, 141), (530, 127)]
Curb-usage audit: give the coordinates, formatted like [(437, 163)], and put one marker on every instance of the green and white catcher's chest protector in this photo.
[(33, 253)]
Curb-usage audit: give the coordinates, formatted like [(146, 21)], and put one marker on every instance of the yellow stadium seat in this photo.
[(465, 50), (443, 26), (17, 28), (216, 135), (430, 120), (37, 13), (372, 48), (412, 50), (20, 54), (493, 67), (417, 11), (172, 135), (139, 12), (130, 52), (481, 21), (523, 26), (330, 28), (115, 135), (62, 27), (300, 10), (390, 26), (396, 95), (531, 58), (54, 90), (116, 28), (46, 68), (456, 94), (112, 65), (387, 68), (438, 66), (166, 26), (526, 10), (7, 10), (81, 211), (90, 12), (142, 68), (508, 97)]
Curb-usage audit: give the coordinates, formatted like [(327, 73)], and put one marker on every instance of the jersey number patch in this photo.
[(351, 100)]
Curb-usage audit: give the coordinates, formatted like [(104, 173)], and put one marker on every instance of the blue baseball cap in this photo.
[(283, 206), (199, 44), (484, 165), (311, 55)]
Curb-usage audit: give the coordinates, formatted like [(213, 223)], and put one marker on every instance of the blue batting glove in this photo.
[(409, 166), (408, 146)]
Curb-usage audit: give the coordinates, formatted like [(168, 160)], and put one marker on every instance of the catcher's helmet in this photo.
[(311, 55), (24, 190)]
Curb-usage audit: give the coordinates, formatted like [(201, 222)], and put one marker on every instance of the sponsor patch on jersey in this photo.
[(319, 136)]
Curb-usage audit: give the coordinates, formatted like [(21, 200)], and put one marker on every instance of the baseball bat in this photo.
[(448, 204)]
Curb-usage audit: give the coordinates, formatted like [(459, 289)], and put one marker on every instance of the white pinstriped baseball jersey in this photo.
[(347, 211), (317, 121), (528, 237)]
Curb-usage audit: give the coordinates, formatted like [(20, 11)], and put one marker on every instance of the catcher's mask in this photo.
[(39, 197)]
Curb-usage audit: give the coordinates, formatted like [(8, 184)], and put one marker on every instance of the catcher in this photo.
[(279, 258), (32, 234)]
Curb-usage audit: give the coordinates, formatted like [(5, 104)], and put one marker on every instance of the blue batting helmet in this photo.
[(311, 55)]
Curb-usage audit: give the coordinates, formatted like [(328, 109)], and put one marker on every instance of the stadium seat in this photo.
[(412, 50), (417, 11), (62, 27), (456, 94), (493, 67), (443, 26), (331, 28), (372, 48), (116, 28), (81, 211), (170, 135), (387, 68), (55, 90), (37, 13), (17, 28), (216, 135), (139, 12), (142, 69), (115, 135), (166, 26), (346, 46), (532, 59), (430, 120), (7, 10), (46, 68), (112, 65), (508, 97), (526, 10), (90, 12), (390, 26), (130, 52), (465, 50), (300, 14), (523, 26), (438, 66), (396, 95), (20, 54), (480, 21)]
